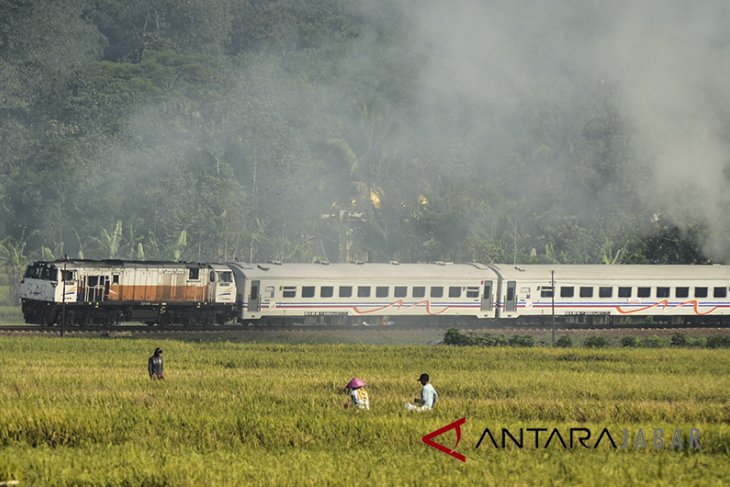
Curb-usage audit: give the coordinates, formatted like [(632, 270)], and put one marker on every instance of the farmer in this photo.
[(358, 394), (428, 396), (154, 365)]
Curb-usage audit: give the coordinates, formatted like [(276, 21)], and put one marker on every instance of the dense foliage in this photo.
[(295, 130)]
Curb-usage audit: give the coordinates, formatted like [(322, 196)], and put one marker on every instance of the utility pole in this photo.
[(63, 299), (552, 299)]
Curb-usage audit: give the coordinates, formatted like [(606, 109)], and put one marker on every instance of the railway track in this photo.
[(220, 329)]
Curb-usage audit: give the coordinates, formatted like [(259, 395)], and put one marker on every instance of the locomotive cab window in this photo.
[(586, 292), (681, 292), (400, 291), (662, 292), (212, 276), (381, 292), (700, 292), (419, 291), (605, 292), (326, 291), (226, 277), (719, 292), (363, 291), (624, 292), (567, 291), (643, 292), (307, 291), (345, 291), (193, 274)]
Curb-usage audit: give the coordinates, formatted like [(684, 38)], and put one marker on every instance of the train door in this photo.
[(169, 286), (510, 302), (212, 286), (487, 296), (254, 299)]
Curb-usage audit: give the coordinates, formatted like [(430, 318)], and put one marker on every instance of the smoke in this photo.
[(668, 66), (509, 89), (672, 64)]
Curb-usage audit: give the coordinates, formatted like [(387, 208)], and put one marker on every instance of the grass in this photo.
[(82, 411)]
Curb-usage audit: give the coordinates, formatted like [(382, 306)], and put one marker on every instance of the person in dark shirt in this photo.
[(154, 365)]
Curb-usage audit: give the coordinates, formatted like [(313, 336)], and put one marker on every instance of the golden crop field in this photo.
[(82, 411)]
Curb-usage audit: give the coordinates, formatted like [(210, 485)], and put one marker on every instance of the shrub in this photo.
[(678, 340), (629, 342), (455, 337), (564, 342), (698, 342), (595, 342), (521, 341), (718, 341), (651, 342)]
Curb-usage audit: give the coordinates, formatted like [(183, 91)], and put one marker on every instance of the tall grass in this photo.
[(83, 412)]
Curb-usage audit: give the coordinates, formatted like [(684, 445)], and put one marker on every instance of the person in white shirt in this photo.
[(429, 396)]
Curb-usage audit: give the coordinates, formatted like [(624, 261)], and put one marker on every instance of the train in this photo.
[(159, 293)]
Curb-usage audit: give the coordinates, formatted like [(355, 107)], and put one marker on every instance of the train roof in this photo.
[(111, 263), (366, 271), (616, 271)]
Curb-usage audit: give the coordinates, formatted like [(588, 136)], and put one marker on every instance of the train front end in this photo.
[(44, 289)]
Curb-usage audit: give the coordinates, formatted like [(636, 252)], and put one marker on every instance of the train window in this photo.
[(193, 274), (681, 292), (567, 291), (605, 292), (363, 291), (473, 292), (437, 292), (212, 276), (545, 291), (662, 292), (326, 292), (400, 291), (454, 291), (345, 291), (419, 291), (700, 292), (381, 292), (49, 274), (510, 293), (289, 292), (307, 291), (624, 292), (586, 292), (643, 292), (719, 292), (269, 292)]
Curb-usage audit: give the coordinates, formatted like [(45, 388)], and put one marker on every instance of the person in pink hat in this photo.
[(358, 394)]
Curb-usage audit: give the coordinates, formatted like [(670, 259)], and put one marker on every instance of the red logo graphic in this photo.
[(428, 439)]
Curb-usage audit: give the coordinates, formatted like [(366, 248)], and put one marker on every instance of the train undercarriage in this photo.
[(152, 314)]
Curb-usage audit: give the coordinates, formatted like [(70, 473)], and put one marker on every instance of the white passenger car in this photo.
[(692, 291), (365, 293)]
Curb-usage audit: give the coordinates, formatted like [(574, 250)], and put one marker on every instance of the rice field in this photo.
[(82, 411)]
